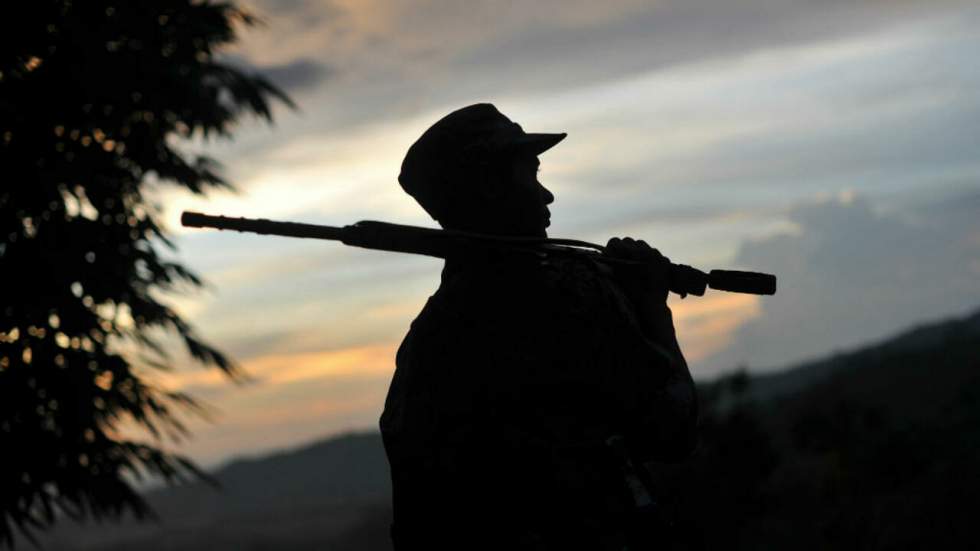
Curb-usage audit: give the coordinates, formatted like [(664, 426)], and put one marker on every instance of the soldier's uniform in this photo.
[(509, 387)]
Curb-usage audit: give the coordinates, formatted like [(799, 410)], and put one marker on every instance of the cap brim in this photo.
[(538, 143)]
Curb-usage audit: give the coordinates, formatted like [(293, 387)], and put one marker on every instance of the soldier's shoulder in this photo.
[(447, 309)]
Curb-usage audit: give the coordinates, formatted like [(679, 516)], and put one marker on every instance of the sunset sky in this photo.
[(834, 144)]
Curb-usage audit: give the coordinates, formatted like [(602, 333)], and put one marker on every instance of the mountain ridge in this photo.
[(314, 496)]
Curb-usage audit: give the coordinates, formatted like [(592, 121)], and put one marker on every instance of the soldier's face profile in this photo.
[(526, 200), (505, 199)]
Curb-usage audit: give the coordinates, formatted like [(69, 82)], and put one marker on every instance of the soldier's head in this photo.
[(476, 170)]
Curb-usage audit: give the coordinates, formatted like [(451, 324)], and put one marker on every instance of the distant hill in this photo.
[(306, 498), (852, 451), (920, 338), (876, 448)]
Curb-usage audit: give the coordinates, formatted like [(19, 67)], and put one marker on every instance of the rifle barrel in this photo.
[(684, 280), (261, 225)]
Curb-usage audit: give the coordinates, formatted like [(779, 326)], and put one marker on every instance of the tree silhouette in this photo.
[(94, 100)]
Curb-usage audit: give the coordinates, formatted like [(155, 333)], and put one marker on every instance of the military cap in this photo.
[(464, 140)]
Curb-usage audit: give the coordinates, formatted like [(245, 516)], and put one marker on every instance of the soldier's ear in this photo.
[(484, 169), (466, 184), (456, 200)]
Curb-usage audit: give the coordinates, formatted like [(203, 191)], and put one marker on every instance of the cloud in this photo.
[(693, 159), (297, 75), (291, 76), (706, 324), (281, 369), (295, 397), (402, 57), (850, 275)]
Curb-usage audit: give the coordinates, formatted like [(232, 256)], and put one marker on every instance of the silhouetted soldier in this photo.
[(528, 389)]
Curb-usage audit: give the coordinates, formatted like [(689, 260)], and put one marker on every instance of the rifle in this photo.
[(683, 280)]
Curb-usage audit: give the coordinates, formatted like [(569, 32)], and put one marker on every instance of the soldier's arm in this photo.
[(669, 418)]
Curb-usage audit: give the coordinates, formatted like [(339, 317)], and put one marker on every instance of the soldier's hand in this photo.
[(646, 280)]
